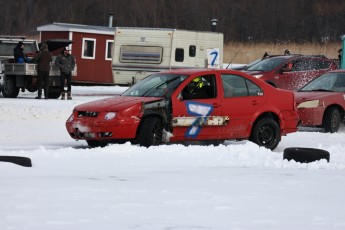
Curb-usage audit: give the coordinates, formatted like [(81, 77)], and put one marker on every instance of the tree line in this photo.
[(238, 20)]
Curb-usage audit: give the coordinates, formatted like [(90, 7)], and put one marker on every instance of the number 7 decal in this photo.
[(200, 111), (213, 58)]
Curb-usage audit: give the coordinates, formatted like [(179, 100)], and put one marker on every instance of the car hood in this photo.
[(116, 103), (309, 96)]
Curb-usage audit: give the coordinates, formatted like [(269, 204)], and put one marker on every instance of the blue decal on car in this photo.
[(200, 111)]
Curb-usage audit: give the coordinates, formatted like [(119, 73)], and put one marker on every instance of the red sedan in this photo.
[(189, 105), (321, 102)]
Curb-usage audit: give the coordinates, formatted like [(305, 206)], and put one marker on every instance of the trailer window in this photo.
[(192, 51), (179, 55), (141, 54), (89, 45)]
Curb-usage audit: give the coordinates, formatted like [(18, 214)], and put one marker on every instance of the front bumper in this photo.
[(90, 129)]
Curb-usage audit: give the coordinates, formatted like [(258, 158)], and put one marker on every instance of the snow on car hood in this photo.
[(312, 95), (116, 103)]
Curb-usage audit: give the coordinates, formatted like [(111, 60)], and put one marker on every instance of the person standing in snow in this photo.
[(66, 63), (43, 60), (340, 51)]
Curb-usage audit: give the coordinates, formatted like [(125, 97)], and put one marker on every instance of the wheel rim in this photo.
[(266, 134)]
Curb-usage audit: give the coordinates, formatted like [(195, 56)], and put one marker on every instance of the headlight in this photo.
[(257, 75), (110, 116), (309, 104)]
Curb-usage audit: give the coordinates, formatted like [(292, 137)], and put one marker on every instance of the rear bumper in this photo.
[(289, 121)]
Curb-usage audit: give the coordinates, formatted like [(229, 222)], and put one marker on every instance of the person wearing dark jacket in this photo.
[(43, 59), (66, 63), (18, 53)]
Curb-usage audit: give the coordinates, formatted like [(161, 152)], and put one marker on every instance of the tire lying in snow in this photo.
[(305, 155), (23, 161)]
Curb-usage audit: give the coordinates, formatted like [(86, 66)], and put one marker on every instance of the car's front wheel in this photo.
[(151, 132), (331, 120), (266, 132)]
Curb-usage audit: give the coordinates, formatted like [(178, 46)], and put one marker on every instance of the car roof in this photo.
[(293, 56), (187, 71)]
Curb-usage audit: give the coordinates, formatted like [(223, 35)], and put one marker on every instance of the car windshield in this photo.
[(332, 82), (267, 64), (156, 85)]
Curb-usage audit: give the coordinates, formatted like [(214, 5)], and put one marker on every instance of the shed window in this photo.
[(109, 49), (179, 55), (141, 54), (89, 48)]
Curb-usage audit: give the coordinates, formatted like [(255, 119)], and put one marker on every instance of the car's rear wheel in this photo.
[(150, 132), (266, 132), (331, 120)]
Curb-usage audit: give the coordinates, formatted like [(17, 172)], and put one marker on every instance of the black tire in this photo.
[(54, 95), (94, 143), (10, 90), (331, 120), (31, 85), (151, 132), (266, 132), (305, 155), (54, 92), (23, 161)]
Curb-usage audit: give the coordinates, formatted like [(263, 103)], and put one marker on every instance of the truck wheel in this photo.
[(54, 95), (331, 120), (305, 155), (151, 132), (54, 92), (266, 132), (10, 90)]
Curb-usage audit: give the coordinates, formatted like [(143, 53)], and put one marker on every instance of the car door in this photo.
[(240, 100), (193, 118)]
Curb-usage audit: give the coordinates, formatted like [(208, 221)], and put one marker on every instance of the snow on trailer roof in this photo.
[(163, 29)]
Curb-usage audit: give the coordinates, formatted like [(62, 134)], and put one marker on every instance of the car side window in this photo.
[(297, 65), (253, 89), (238, 86), (321, 64), (201, 87)]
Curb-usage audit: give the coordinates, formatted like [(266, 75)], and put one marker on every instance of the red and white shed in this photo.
[(92, 47)]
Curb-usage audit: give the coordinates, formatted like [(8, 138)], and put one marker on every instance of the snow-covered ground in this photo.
[(171, 187)]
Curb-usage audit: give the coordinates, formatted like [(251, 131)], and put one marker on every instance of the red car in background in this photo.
[(321, 103), (189, 105), (291, 71)]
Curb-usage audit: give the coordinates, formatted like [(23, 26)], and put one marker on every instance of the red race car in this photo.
[(189, 105), (291, 71), (321, 102)]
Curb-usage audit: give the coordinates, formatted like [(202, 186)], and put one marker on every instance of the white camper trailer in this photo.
[(138, 52)]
